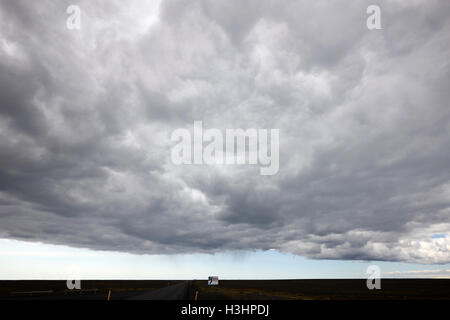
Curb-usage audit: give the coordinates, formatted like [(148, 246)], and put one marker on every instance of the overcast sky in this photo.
[(86, 118)]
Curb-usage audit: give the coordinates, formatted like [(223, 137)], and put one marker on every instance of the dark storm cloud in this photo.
[(86, 118)]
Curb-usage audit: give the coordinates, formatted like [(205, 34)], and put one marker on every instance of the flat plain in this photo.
[(311, 289)]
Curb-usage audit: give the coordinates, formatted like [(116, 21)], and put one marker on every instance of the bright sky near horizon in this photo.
[(25, 260)]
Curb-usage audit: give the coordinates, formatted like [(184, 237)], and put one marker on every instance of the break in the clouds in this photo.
[(364, 117)]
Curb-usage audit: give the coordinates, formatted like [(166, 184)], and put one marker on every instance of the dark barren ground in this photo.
[(90, 289), (329, 289)]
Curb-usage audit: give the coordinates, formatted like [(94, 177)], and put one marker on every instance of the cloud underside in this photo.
[(86, 118)]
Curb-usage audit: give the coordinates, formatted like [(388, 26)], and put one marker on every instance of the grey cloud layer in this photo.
[(86, 118)]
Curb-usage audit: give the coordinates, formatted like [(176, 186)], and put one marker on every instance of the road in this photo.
[(178, 291)]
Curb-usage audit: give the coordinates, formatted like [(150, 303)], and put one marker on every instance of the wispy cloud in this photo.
[(431, 273)]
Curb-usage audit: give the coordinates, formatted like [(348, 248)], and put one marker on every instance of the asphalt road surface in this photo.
[(178, 291)]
